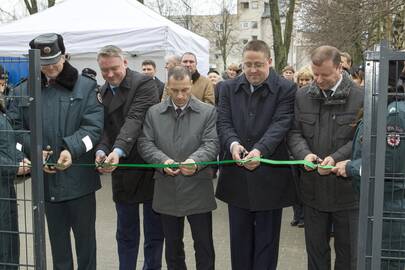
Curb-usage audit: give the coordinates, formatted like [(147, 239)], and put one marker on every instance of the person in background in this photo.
[(202, 87), (346, 61), (231, 72), (149, 69), (304, 76), (172, 61), (357, 74), (215, 78), (288, 73)]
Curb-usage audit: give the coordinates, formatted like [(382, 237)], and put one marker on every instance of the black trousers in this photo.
[(317, 237), (201, 231), (255, 238), (78, 215)]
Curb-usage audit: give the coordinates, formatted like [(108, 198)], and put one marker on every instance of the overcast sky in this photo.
[(17, 7)]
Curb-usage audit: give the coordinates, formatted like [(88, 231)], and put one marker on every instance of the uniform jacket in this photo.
[(9, 242), (258, 120), (72, 119), (202, 89), (191, 135), (326, 127), (124, 114)]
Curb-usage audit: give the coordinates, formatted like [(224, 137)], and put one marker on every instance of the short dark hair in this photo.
[(178, 73), (212, 71), (149, 63), (325, 53), (257, 46), (189, 53)]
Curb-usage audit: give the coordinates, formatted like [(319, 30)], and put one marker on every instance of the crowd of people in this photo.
[(247, 113)]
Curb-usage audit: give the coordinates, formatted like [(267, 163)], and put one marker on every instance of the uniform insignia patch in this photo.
[(99, 98), (47, 50), (393, 135)]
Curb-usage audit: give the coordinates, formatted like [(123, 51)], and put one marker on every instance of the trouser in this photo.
[(128, 236), (201, 231), (255, 237), (317, 236), (9, 240), (298, 212), (78, 215)]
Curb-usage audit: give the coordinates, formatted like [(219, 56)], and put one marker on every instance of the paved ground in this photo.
[(292, 246)]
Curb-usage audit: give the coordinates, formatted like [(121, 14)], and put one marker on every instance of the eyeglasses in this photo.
[(256, 65)]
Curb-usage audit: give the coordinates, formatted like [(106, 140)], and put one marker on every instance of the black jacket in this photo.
[(258, 120), (326, 127), (124, 114)]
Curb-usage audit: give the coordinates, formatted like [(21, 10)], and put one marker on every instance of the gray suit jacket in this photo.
[(191, 135)]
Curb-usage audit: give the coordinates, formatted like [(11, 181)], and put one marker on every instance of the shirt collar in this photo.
[(333, 89)]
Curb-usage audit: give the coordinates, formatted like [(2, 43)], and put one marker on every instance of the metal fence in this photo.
[(22, 225), (381, 242)]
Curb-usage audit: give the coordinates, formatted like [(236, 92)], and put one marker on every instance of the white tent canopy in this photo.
[(88, 25)]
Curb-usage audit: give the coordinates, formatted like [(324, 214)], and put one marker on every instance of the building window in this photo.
[(245, 5), (253, 25), (255, 4), (244, 25), (266, 12), (254, 37), (219, 26)]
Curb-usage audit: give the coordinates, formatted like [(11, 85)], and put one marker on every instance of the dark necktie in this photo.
[(178, 111), (328, 93)]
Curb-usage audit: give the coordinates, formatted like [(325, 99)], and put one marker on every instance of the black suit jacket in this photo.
[(160, 86), (124, 114), (258, 120)]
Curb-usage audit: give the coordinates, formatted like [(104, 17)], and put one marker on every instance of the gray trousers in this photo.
[(317, 237)]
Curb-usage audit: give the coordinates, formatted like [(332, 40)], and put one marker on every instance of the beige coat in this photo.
[(201, 89)]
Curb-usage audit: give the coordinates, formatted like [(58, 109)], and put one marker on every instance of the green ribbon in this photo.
[(206, 163)]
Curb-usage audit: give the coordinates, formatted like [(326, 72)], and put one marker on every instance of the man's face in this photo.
[(189, 61), (52, 71), (148, 70), (289, 75), (113, 69), (256, 67), (345, 63), (179, 91), (327, 74)]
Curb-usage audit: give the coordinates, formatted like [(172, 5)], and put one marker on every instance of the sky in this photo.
[(17, 7)]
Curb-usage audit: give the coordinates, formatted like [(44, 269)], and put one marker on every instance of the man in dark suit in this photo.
[(126, 97), (149, 68), (255, 112)]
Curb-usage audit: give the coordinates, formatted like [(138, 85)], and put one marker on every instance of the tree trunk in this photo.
[(140, 1), (51, 3), (279, 50), (32, 6)]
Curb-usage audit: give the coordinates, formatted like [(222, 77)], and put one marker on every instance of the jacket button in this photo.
[(52, 198), (251, 114)]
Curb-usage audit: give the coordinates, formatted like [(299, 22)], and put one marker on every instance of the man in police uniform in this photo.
[(72, 126), (393, 238)]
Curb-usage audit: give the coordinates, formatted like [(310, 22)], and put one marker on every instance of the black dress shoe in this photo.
[(294, 222)]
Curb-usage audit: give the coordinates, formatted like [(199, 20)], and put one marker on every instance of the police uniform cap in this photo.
[(51, 47)]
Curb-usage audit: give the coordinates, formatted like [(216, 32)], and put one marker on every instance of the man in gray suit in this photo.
[(181, 129)]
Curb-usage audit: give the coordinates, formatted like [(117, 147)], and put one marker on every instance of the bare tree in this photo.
[(179, 13), (222, 31), (354, 25), (140, 1), (32, 5), (281, 42)]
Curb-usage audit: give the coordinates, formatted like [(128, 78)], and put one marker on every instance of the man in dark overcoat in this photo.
[(126, 96), (255, 112)]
